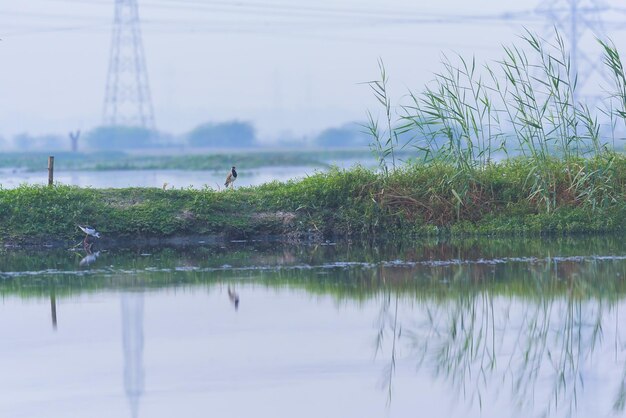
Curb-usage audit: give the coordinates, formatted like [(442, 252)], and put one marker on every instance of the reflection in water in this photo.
[(538, 345), (90, 258), (53, 309), (531, 324), (388, 324), (233, 296), (132, 340)]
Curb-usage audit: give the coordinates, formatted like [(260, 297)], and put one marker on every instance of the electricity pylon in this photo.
[(127, 98), (580, 22)]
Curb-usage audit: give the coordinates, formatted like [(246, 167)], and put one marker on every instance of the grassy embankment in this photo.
[(420, 199), (568, 176)]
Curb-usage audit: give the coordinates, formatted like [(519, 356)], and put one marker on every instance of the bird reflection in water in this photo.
[(89, 259), (234, 297)]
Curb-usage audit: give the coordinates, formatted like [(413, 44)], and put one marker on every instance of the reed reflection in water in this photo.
[(541, 342)]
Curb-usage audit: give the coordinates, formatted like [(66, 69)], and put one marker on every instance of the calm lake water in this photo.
[(477, 328), (154, 178)]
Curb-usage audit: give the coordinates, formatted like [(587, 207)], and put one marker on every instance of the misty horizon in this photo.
[(290, 70)]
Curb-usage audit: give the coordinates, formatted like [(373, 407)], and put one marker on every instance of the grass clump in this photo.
[(520, 117)]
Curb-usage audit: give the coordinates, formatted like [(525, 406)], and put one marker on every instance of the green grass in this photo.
[(413, 200)]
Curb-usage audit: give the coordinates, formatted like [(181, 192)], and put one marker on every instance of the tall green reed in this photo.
[(526, 104), (613, 62), (385, 139)]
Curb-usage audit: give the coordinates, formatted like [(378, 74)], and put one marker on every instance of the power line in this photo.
[(341, 22), (390, 18), (307, 21), (580, 21)]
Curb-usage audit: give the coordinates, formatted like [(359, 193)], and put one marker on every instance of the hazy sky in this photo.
[(289, 66)]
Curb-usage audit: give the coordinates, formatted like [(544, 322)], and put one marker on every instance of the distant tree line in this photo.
[(231, 134)]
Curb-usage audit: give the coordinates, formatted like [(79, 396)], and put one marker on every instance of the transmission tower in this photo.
[(127, 98), (580, 22)]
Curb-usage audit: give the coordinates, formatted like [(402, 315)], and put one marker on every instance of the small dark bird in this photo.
[(231, 177), (234, 297)]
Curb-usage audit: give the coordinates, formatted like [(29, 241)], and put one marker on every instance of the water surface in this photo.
[(154, 178), (476, 328)]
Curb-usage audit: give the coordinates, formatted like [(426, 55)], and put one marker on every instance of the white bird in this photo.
[(89, 231)]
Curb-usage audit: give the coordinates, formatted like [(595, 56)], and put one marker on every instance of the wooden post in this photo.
[(50, 170), (53, 309)]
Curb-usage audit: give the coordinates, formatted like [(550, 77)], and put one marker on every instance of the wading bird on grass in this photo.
[(89, 232), (231, 177)]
